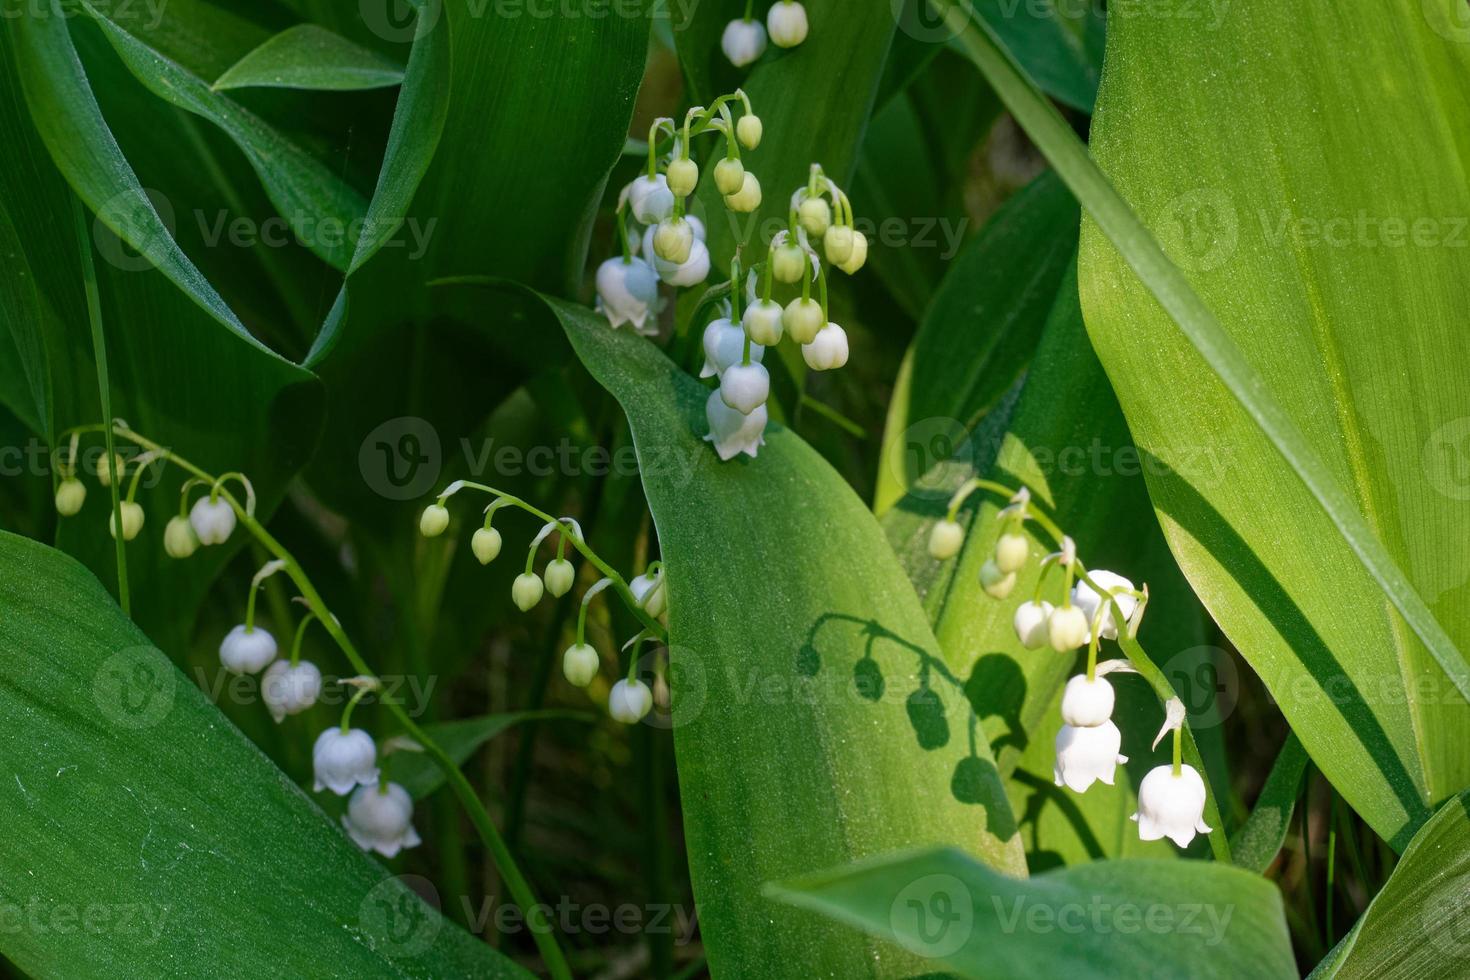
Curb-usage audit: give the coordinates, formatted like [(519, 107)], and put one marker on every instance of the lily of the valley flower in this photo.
[(745, 387), (827, 350), (730, 174), (945, 540), (650, 200), (627, 292), (838, 244), (731, 432), (1030, 623), (179, 539), (997, 584), (743, 41), (724, 345), (132, 520), (1066, 628), (485, 543), (650, 592), (70, 495), (341, 760), (788, 262), (748, 198), (683, 176), (213, 521), (856, 258), (1087, 703), (762, 323), (672, 240), (559, 575), (690, 272), (434, 520), (1011, 551), (380, 818), (1086, 755), (290, 690), (1171, 806), (247, 649), (526, 591), (787, 23), (629, 701), (803, 319), (580, 664), (748, 130), (1088, 600), (815, 215)]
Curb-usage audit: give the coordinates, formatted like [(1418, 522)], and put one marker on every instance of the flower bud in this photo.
[(729, 175), (745, 387), (945, 540), (580, 664), (1087, 703), (70, 496), (213, 520), (673, 240), (748, 130), (838, 244), (434, 520), (786, 23), (762, 322), (650, 199), (1030, 623), (743, 41), (748, 198), (485, 543), (687, 273), (559, 576), (789, 263), (105, 470), (132, 520), (179, 538), (803, 319), (1066, 628), (648, 592), (724, 345), (858, 257), (247, 651), (379, 819), (1171, 806), (815, 215), (683, 176), (288, 690), (341, 760), (526, 591), (629, 701), (997, 584), (1011, 551), (827, 350)]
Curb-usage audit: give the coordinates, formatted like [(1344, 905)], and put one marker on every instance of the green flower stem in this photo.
[(1179, 751), (520, 889), (749, 9), (300, 632), (623, 236), (587, 597), (822, 289), (362, 692)]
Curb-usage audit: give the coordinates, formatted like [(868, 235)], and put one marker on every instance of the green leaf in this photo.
[(1136, 918), (1259, 840), (304, 190), (1418, 925), (1305, 609), (459, 739), (1059, 43), (206, 849), (792, 626), (310, 57), (1299, 358)]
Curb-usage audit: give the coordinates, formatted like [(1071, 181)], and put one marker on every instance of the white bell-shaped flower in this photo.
[(559, 576), (724, 345), (380, 818), (731, 432), (1171, 806), (341, 760), (629, 701), (1085, 755), (786, 23), (1030, 623), (627, 292), (213, 522), (1087, 703), (651, 201), (526, 591), (650, 593), (580, 664), (690, 272), (745, 387), (70, 495), (247, 651), (762, 323), (1088, 600), (743, 41), (179, 539), (288, 690), (828, 349), (945, 540)]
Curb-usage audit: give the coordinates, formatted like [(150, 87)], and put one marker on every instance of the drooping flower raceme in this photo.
[(341, 760), (1087, 755), (627, 292), (289, 689), (1171, 805), (380, 818), (743, 41)]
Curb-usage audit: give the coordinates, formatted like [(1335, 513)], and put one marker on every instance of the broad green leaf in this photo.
[(1305, 265), (206, 849), (459, 739), (310, 57), (1108, 919), (978, 333), (1059, 43), (1259, 839), (810, 722), (1418, 925), (324, 210)]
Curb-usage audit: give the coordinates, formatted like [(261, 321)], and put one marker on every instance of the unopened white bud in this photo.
[(106, 469), (132, 520), (748, 130), (786, 23), (673, 240), (526, 591), (945, 540), (650, 199), (560, 576), (1066, 628), (858, 257), (729, 176), (70, 495), (1011, 551), (485, 543), (213, 519), (743, 41), (683, 176), (815, 215), (838, 244), (580, 664), (1087, 703), (1030, 623), (827, 350), (802, 319), (745, 387), (434, 520), (629, 701), (762, 322), (748, 198), (997, 584), (179, 538), (247, 651), (1089, 601), (789, 263)]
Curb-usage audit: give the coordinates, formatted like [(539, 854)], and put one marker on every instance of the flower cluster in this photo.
[(1093, 606), (629, 699), (660, 242), (744, 40), (735, 343)]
